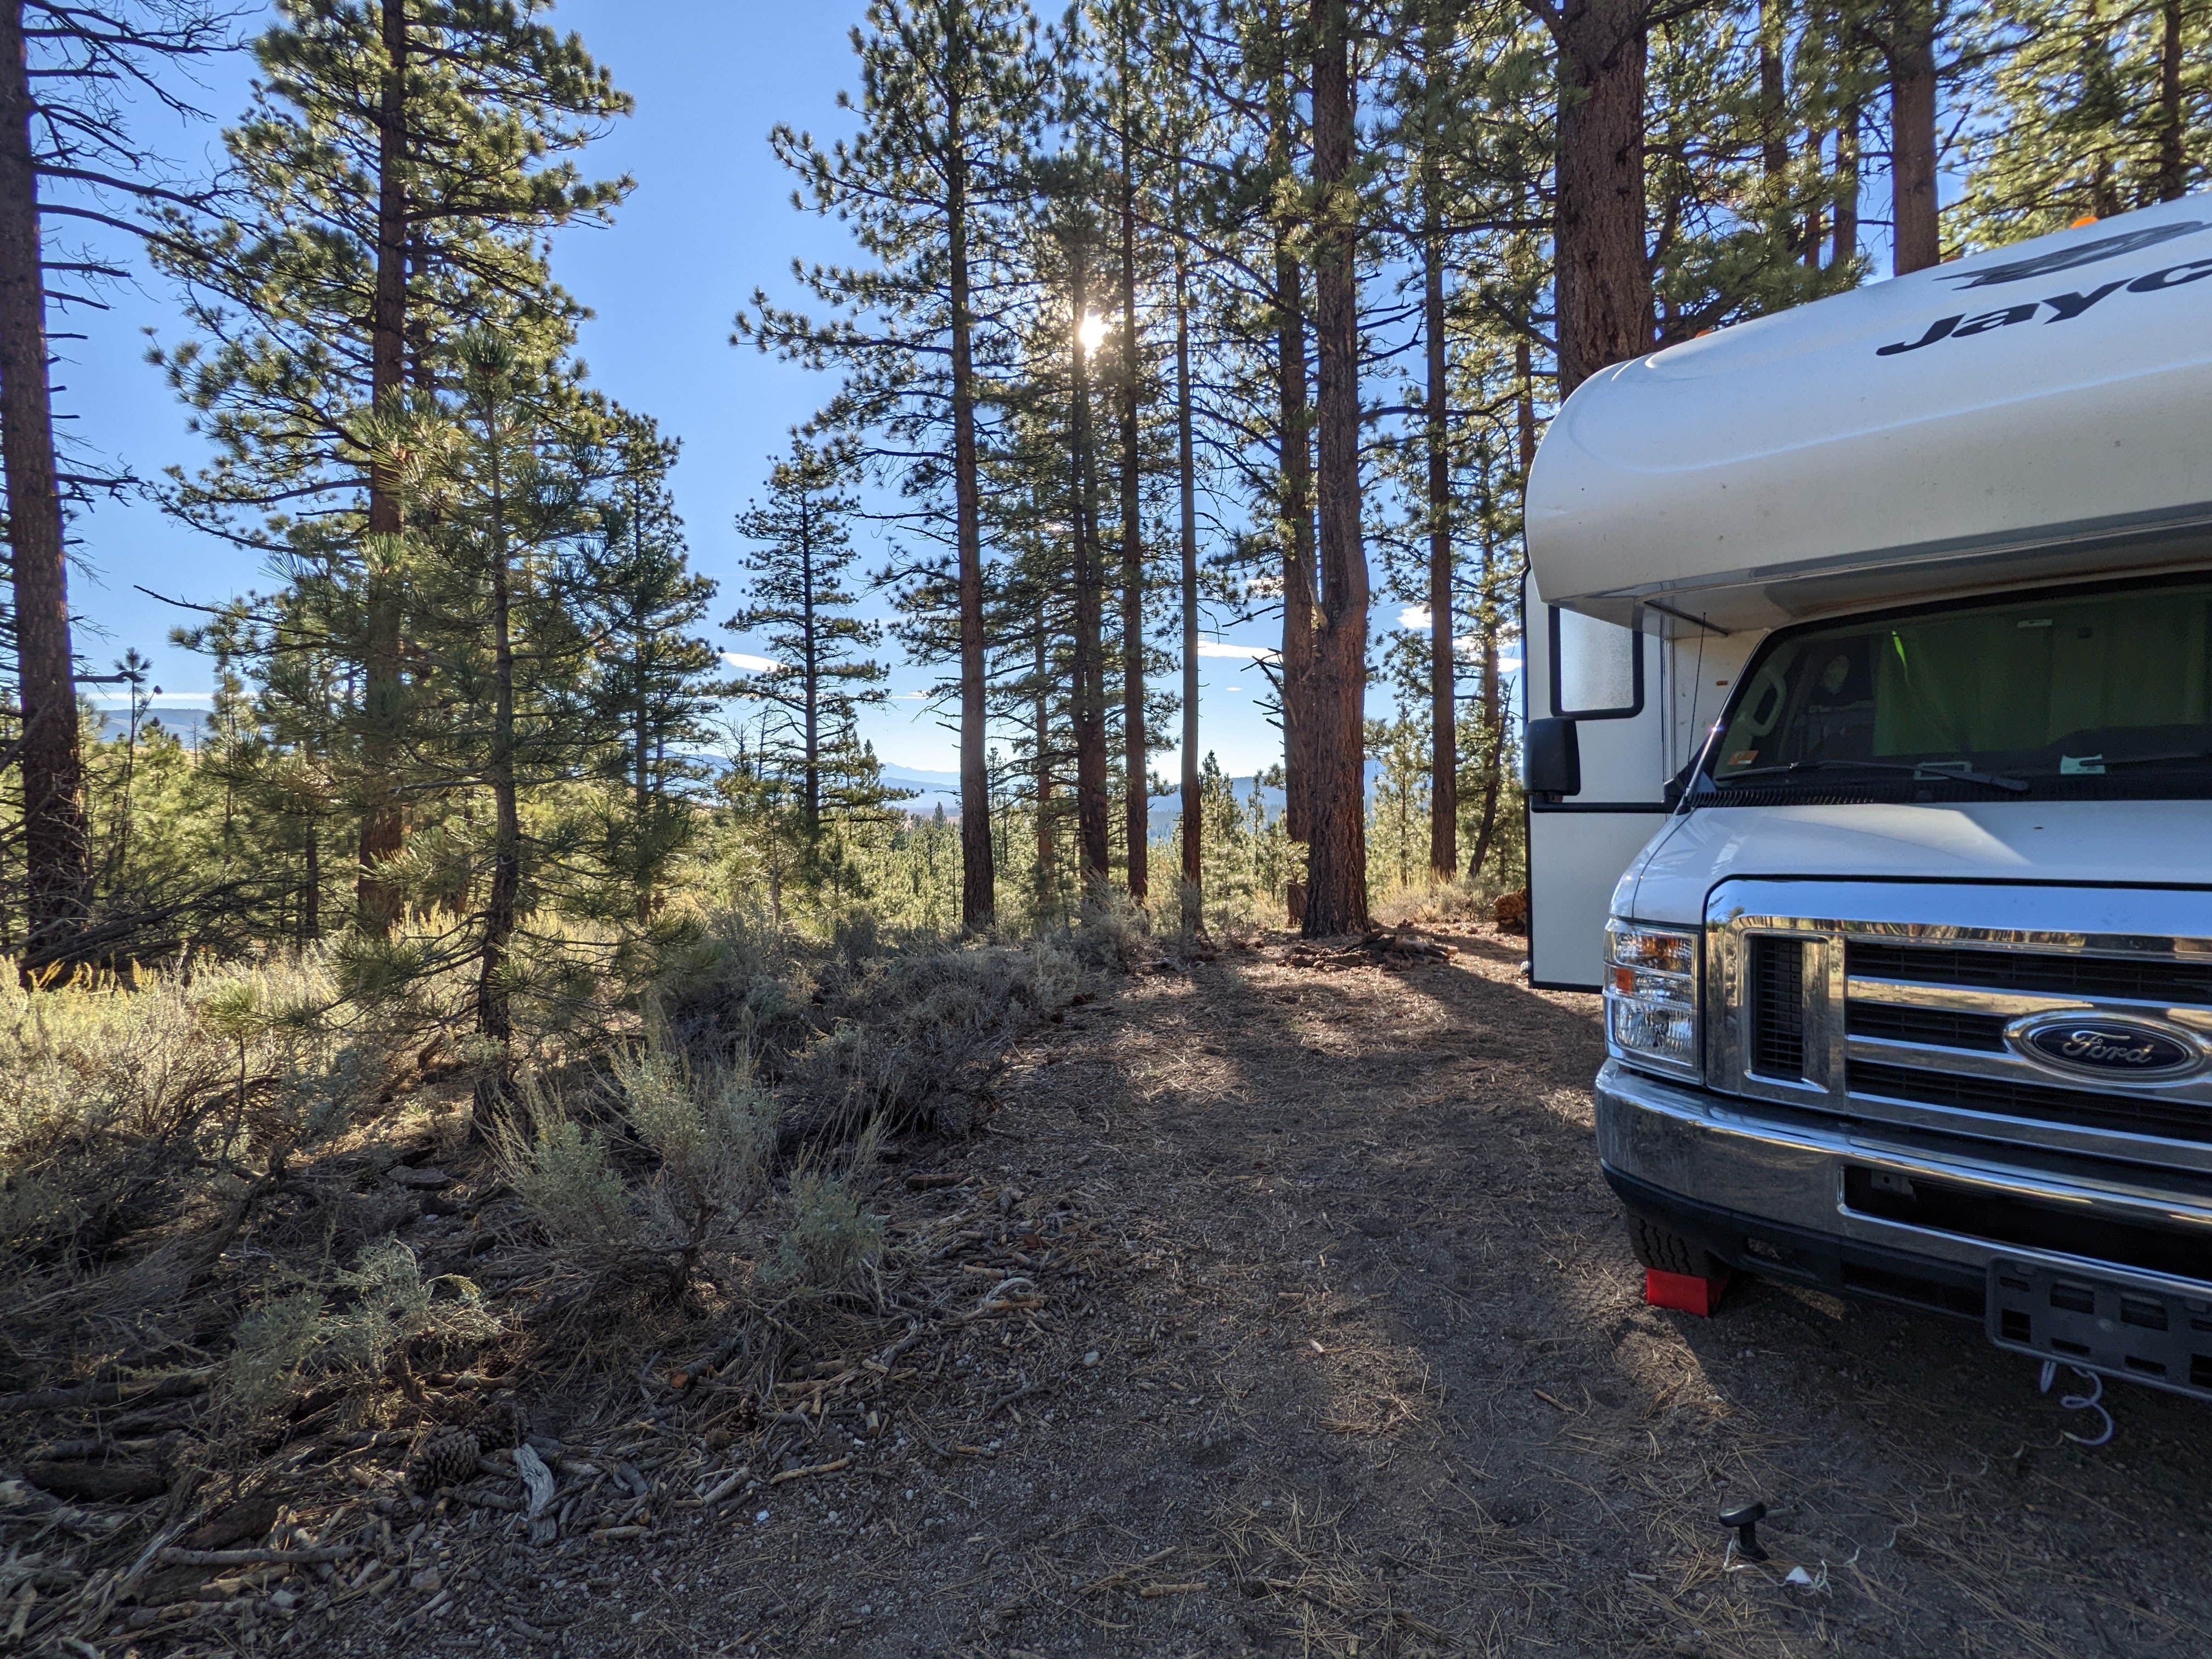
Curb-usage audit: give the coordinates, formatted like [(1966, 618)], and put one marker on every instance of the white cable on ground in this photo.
[(2081, 1402)]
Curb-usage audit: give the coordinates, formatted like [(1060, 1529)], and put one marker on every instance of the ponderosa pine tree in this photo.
[(501, 476), (68, 74), (1336, 841), (951, 96), (1287, 207), (1122, 104), (1602, 274), (392, 185), (653, 676), (799, 607), (1082, 332)]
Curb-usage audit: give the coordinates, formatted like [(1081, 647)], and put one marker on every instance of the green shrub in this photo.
[(351, 1328), (831, 1239)]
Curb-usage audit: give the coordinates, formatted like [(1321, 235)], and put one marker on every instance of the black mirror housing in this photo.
[(1552, 758)]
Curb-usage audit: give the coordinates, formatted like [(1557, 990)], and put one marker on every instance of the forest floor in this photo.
[(1316, 1332)]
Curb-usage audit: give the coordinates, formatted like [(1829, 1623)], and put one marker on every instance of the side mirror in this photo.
[(1552, 758)]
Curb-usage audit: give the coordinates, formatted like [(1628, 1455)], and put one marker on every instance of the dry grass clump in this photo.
[(1444, 902), (144, 1123), (662, 1168), (351, 1328), (913, 1031)]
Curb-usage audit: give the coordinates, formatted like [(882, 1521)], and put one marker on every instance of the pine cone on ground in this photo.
[(447, 1458), (497, 1424)]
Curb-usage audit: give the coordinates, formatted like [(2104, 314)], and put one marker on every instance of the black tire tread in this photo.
[(1669, 1252)]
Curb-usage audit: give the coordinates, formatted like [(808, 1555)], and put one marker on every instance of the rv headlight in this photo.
[(1651, 998)]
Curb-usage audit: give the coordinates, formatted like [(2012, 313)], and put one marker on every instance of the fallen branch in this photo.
[(831, 1468), (103, 1394), (1121, 1576), (182, 1557)]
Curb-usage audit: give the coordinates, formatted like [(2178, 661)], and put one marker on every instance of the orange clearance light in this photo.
[(2086, 219), (1624, 981)]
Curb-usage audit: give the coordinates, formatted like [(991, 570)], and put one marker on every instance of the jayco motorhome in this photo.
[(1868, 656)]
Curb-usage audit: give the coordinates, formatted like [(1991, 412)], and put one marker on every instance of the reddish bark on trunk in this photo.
[(1187, 479), (1912, 136), (57, 858), (1336, 843), (384, 826), (1603, 280), (978, 876), (1444, 681), (1089, 699), (2173, 173), (1136, 780)]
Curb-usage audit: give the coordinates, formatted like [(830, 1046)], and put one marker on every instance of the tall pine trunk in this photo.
[(810, 806), (1090, 702), (56, 841), (1603, 280), (384, 827), (1194, 827), (494, 1021), (1773, 94), (1336, 844), (1295, 462), (1443, 683), (1492, 760), (978, 876), (1912, 135), (1042, 718), (1136, 777), (311, 885), (1844, 245), (1294, 419), (2173, 171)]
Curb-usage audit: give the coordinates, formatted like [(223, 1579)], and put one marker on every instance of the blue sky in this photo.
[(710, 220)]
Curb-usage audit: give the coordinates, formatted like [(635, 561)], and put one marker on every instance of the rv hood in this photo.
[(2153, 843)]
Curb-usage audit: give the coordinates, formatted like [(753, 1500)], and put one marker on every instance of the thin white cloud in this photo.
[(1415, 616), (752, 664), (1467, 649), (1244, 653)]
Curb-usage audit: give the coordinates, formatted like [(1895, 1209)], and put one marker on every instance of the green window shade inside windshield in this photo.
[(2027, 684)]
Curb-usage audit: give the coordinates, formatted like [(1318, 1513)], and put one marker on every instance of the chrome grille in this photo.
[(2084, 977), (1777, 1006), (2178, 1120), (1912, 1005), (1941, 1028)]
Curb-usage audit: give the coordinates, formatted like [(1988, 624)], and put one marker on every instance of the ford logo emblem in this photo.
[(2107, 1047)]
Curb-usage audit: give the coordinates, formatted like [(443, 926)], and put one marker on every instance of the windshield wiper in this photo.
[(2095, 765), (1921, 771)]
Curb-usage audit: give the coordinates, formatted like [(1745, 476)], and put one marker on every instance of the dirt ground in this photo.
[(1315, 1332)]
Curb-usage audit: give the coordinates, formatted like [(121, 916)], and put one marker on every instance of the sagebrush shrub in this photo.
[(831, 1239), (349, 1327)]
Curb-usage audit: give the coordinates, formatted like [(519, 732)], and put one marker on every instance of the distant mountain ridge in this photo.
[(935, 789), (930, 789)]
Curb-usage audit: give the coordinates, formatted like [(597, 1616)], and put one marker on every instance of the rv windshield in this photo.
[(2098, 693)]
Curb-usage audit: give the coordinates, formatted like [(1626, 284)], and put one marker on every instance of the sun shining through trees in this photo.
[(1316, 336)]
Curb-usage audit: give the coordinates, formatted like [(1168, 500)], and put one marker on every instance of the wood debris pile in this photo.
[(1401, 945)]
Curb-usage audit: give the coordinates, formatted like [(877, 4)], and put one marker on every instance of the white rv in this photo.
[(1869, 662)]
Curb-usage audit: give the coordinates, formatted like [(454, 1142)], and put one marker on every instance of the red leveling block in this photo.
[(1684, 1292)]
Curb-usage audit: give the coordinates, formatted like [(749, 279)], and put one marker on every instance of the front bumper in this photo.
[(1796, 1195)]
